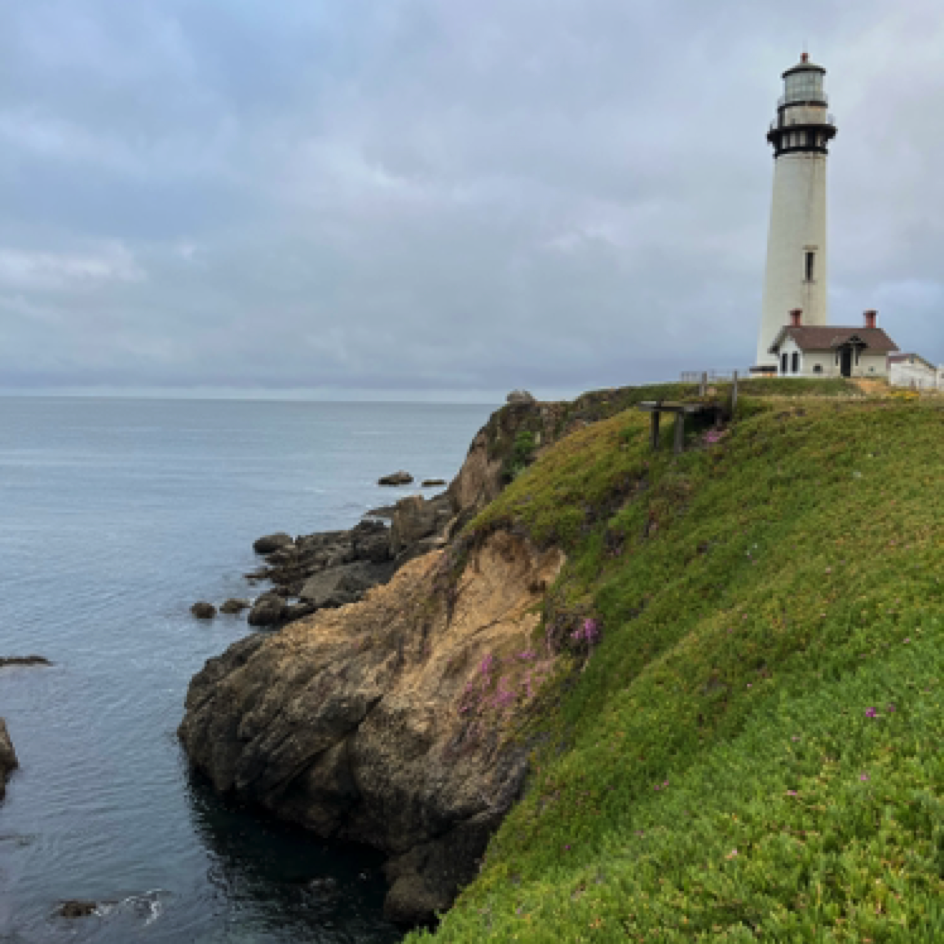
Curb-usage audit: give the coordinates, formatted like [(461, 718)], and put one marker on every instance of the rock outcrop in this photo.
[(416, 519), (24, 660), (396, 478), (76, 908), (8, 761), (267, 610), (203, 610), (235, 605), (382, 722), (272, 542)]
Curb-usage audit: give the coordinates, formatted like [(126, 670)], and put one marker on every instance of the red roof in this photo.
[(829, 337)]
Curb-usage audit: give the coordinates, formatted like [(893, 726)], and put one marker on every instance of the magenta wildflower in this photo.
[(863, 776), (871, 712), (908, 639), (791, 793), (890, 709)]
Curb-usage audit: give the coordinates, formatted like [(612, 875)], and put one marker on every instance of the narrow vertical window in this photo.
[(810, 257), (784, 362)]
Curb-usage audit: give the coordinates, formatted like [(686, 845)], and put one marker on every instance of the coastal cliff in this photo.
[(677, 696), (381, 722), (386, 721)]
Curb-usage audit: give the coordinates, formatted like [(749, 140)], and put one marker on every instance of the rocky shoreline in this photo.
[(376, 713), (8, 759), (331, 569)]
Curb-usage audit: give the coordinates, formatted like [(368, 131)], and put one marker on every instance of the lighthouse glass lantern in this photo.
[(795, 276)]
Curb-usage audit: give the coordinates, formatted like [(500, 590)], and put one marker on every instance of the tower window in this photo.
[(810, 257)]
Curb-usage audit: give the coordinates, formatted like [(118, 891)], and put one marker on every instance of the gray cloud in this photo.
[(431, 195)]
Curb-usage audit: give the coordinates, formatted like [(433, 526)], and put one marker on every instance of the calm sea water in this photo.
[(115, 516)]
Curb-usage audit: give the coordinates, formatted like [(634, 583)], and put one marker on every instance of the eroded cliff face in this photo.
[(381, 722), (8, 761)]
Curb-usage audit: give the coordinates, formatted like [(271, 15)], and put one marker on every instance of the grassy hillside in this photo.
[(748, 746)]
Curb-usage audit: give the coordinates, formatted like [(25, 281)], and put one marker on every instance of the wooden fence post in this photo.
[(654, 429)]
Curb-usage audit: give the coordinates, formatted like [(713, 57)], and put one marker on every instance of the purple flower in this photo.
[(863, 776), (791, 793), (870, 712), (890, 709)]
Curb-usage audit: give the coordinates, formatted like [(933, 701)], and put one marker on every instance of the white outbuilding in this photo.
[(801, 350), (912, 370)]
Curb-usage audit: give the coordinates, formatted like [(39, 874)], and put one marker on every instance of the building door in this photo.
[(845, 362)]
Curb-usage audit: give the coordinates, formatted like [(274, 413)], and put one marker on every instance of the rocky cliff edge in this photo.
[(383, 722)]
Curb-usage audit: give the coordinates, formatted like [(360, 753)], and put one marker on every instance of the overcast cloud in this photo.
[(441, 197)]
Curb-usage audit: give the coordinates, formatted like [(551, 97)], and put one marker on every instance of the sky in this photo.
[(441, 199)]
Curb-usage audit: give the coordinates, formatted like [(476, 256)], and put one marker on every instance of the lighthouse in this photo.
[(796, 243)]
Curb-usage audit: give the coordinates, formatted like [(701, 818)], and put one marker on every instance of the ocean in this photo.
[(115, 516)]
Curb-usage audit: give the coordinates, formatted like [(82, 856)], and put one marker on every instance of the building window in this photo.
[(796, 362), (817, 368), (784, 362), (810, 258)]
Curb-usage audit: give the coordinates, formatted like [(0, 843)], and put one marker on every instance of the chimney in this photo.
[(805, 57), (870, 317), (796, 317)]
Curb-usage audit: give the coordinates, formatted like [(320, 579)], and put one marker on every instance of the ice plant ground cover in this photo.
[(753, 751)]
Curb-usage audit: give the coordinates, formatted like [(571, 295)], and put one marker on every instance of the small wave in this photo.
[(148, 906)]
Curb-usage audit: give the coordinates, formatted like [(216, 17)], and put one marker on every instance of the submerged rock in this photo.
[(75, 908), (203, 610), (272, 542), (432, 483), (380, 723), (8, 761)]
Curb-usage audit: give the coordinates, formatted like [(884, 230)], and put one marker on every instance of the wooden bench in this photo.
[(680, 410)]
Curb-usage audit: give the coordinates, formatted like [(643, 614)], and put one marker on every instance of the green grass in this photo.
[(712, 772)]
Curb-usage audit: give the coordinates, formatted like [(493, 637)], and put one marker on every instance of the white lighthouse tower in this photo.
[(796, 243)]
